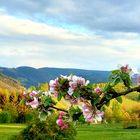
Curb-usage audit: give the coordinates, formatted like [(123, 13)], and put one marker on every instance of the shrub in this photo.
[(109, 115), (13, 97), (27, 117), (131, 121), (25, 114), (42, 130), (31, 116), (5, 117), (133, 96), (3, 98), (114, 113), (117, 111), (12, 110)]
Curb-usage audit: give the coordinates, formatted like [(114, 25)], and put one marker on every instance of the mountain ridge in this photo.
[(33, 76), (9, 83)]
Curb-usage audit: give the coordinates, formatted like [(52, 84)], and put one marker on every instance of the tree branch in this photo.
[(59, 109), (115, 95)]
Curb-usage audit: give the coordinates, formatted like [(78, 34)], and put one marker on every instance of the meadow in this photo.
[(84, 132), (14, 116), (106, 132)]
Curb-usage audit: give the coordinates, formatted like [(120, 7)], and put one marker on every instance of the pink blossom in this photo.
[(98, 90), (87, 112), (54, 83), (74, 101), (34, 103), (81, 81), (73, 85), (24, 94), (33, 93), (76, 82), (54, 86), (86, 106), (99, 115), (59, 122), (55, 93), (125, 67), (90, 120), (61, 113), (74, 78), (64, 126), (89, 116), (70, 91)]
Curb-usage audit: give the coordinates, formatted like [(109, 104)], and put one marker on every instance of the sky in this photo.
[(83, 34)]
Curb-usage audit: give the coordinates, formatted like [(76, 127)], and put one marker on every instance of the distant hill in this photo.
[(31, 76), (9, 83)]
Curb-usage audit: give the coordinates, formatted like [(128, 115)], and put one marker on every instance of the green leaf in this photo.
[(126, 80), (114, 72), (107, 104), (43, 115), (31, 88), (63, 93), (62, 81), (76, 94), (114, 75), (59, 96), (107, 87), (47, 102), (108, 96), (22, 102), (116, 81), (94, 101), (119, 99)]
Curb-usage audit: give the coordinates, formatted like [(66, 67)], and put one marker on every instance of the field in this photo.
[(107, 132), (8, 130), (85, 132)]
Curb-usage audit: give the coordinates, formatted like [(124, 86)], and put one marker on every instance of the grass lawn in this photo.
[(107, 132), (85, 132), (8, 130)]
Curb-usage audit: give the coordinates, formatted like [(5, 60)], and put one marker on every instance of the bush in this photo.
[(27, 117), (5, 117), (25, 114), (133, 96), (12, 110), (114, 113), (47, 130), (131, 121), (31, 116), (3, 98)]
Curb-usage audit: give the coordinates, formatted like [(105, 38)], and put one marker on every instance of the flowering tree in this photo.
[(80, 92)]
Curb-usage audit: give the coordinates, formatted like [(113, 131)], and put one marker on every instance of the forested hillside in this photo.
[(31, 76), (9, 83)]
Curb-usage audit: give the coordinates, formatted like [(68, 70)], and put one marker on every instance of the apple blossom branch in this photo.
[(115, 94)]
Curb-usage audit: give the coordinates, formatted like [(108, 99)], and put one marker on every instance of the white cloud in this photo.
[(11, 25), (26, 42), (101, 15)]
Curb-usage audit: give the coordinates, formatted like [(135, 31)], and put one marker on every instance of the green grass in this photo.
[(85, 132), (8, 130), (107, 132)]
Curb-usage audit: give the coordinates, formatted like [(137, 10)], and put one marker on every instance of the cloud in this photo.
[(25, 40), (96, 15)]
